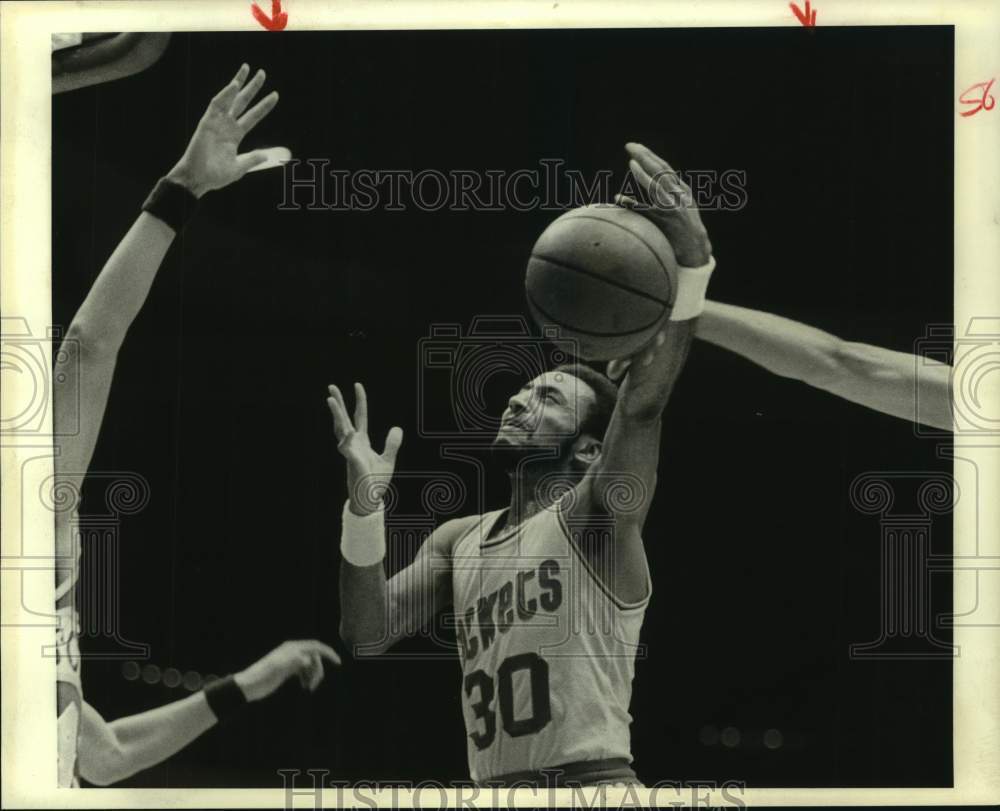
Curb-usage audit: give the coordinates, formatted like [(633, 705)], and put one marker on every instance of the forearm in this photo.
[(782, 346), (362, 569), (122, 286), (631, 445), (155, 735), (111, 752), (646, 389), (363, 610), (895, 383), (86, 363)]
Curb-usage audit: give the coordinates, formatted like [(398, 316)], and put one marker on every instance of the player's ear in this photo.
[(587, 450)]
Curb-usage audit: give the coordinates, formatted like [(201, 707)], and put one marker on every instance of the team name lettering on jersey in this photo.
[(523, 596)]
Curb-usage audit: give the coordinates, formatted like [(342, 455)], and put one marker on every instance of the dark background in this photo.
[(763, 572)]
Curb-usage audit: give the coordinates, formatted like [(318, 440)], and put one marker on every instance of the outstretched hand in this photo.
[(669, 204), (302, 658), (368, 473), (211, 160)]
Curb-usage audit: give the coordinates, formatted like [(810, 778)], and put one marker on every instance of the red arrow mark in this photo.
[(807, 17), (278, 19), (984, 102)]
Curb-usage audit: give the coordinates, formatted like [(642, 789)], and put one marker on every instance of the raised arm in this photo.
[(376, 611), (113, 751), (895, 383), (631, 447), (99, 327), (86, 361)]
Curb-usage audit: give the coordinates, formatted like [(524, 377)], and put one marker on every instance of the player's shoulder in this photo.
[(448, 534)]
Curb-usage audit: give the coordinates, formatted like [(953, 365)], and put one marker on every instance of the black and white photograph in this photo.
[(423, 414)]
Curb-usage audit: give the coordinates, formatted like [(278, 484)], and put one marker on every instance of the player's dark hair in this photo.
[(598, 416)]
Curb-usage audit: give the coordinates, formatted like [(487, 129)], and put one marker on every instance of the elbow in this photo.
[(110, 765), (84, 339), (100, 777)]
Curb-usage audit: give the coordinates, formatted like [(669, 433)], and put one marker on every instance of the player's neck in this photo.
[(529, 494)]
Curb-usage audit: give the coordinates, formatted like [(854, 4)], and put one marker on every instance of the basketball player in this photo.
[(547, 618), (99, 751), (880, 379)]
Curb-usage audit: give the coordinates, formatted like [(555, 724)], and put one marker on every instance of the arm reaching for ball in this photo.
[(894, 383), (877, 378), (377, 611), (630, 450), (87, 359)]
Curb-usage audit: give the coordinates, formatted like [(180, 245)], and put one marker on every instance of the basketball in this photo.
[(605, 277)]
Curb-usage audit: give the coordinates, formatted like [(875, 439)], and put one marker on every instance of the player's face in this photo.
[(546, 410)]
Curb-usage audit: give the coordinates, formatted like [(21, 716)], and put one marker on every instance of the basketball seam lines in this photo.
[(629, 231), (592, 333), (599, 277)]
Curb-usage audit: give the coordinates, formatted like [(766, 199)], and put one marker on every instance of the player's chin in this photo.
[(504, 439), (512, 438)]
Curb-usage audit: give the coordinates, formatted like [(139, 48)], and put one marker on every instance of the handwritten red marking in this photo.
[(984, 102), (278, 19), (807, 17)]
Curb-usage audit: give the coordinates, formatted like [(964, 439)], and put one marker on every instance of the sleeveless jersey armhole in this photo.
[(466, 529), (622, 605)]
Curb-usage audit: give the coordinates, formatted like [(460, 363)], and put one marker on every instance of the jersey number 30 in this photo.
[(541, 710)]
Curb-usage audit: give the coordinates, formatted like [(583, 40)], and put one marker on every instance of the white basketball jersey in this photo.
[(68, 668), (547, 653)]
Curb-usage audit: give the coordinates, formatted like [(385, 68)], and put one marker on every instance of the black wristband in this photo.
[(225, 698), (170, 202)]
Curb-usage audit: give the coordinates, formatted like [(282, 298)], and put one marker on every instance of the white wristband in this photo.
[(692, 283), (362, 537)]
